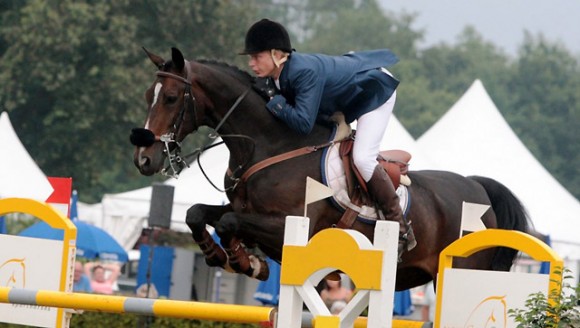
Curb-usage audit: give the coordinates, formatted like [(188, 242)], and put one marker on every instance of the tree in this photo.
[(70, 110), (545, 110), (337, 27), (439, 75), (74, 76)]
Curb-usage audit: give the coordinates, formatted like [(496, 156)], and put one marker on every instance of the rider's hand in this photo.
[(265, 87)]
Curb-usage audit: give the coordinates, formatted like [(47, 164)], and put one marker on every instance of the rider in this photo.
[(313, 86)]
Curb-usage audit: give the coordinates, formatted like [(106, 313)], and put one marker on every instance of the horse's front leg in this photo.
[(234, 228), (197, 217)]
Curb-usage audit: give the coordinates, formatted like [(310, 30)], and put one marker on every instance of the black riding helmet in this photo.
[(266, 35)]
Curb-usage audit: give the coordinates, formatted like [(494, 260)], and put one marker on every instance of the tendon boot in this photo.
[(383, 192)]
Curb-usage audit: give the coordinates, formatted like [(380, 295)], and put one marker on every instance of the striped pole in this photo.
[(143, 306), (362, 322)]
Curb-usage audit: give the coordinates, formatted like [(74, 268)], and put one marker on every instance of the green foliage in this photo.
[(112, 320), (96, 319), (545, 107), (16, 222), (561, 309)]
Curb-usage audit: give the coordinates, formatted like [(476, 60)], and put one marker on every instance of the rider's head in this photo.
[(268, 45), (266, 35)]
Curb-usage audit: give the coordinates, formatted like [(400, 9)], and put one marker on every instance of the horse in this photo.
[(188, 94)]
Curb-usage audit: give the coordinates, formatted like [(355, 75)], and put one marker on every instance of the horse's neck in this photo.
[(251, 119), (270, 136)]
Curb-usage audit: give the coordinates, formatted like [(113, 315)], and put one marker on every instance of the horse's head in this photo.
[(171, 116)]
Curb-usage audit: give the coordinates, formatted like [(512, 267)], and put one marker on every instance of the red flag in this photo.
[(60, 197)]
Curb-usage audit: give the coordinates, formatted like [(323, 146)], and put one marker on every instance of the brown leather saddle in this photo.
[(395, 163)]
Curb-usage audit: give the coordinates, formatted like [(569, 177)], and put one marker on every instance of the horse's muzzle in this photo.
[(143, 139)]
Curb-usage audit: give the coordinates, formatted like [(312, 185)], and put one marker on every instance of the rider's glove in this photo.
[(265, 87)]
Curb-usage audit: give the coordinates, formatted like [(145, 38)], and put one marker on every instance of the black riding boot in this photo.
[(382, 190)]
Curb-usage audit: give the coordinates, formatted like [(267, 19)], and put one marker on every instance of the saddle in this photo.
[(394, 162)]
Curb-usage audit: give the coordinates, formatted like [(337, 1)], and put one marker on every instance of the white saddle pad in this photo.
[(334, 177)]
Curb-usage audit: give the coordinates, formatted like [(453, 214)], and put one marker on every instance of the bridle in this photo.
[(177, 162)]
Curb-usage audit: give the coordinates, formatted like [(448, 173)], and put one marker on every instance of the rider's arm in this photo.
[(308, 87)]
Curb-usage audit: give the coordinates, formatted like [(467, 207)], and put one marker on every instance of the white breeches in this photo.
[(370, 129)]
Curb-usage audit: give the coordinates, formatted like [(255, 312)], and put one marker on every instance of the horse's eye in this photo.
[(170, 100)]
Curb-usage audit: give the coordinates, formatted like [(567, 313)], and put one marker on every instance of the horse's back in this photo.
[(447, 186), (437, 198)]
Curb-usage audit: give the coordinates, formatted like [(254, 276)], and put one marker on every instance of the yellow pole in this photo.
[(122, 304)]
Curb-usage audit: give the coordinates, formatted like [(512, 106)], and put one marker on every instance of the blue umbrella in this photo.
[(92, 241)]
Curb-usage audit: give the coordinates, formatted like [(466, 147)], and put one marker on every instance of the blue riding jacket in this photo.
[(314, 86)]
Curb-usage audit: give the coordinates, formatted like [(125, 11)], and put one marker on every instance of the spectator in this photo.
[(81, 282), (103, 276), (333, 293)]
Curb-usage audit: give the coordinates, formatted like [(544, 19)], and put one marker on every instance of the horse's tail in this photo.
[(510, 215)]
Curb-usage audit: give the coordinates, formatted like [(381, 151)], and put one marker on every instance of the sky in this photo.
[(501, 22)]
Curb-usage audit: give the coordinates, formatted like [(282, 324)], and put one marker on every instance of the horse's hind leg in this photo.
[(197, 217), (238, 258)]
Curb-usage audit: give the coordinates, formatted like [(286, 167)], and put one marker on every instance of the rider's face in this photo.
[(262, 64)]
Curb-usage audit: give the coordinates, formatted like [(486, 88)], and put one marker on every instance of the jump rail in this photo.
[(143, 306)]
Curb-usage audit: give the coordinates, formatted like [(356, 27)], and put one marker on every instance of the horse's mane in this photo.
[(240, 74)]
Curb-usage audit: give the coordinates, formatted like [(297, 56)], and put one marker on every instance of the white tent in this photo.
[(397, 137), (473, 138), (123, 215), (19, 174)]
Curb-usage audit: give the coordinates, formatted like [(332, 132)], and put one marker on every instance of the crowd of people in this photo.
[(96, 277)]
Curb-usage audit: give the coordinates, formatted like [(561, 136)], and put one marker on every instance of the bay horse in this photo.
[(187, 94)]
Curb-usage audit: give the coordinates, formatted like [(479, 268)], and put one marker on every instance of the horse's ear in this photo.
[(177, 58), (158, 61)]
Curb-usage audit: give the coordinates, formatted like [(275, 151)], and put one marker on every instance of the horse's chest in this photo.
[(260, 200)]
